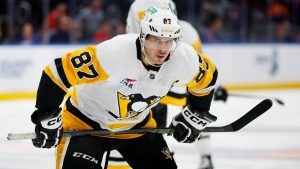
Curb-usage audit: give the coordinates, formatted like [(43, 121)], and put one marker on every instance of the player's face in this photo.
[(157, 48)]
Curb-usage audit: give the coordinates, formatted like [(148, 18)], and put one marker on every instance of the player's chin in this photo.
[(160, 61)]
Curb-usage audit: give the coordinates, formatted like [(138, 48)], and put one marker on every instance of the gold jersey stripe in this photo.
[(173, 101), (119, 125), (60, 150), (70, 120), (151, 123), (141, 15), (114, 166), (197, 46)]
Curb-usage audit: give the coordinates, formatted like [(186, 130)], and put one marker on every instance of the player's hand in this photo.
[(220, 94), (189, 124), (48, 128)]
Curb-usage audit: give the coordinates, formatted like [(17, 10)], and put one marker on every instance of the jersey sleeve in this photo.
[(201, 87), (74, 68)]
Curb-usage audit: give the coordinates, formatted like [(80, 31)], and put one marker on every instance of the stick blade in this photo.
[(252, 114), (255, 112)]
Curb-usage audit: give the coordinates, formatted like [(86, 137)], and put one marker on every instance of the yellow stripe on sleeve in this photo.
[(173, 101)]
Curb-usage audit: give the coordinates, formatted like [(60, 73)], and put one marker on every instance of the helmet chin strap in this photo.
[(147, 60)]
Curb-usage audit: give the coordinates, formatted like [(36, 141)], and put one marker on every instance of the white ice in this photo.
[(270, 142)]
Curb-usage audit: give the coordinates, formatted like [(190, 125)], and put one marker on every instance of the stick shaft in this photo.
[(252, 114)]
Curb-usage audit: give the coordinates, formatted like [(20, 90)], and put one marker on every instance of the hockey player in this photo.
[(177, 95), (114, 86)]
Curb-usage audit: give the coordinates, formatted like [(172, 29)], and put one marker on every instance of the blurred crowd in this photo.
[(93, 21)]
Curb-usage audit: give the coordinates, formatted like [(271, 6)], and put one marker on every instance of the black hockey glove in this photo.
[(189, 124), (48, 128), (220, 94)]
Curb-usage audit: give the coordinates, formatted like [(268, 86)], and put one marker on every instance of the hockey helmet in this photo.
[(160, 22)]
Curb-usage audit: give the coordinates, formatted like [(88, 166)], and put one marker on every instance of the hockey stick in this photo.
[(252, 114), (277, 100)]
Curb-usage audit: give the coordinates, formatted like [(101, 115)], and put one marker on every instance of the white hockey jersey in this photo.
[(112, 87)]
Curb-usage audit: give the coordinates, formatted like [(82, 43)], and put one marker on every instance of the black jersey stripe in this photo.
[(177, 95), (214, 79), (61, 72), (48, 90), (117, 159), (72, 109)]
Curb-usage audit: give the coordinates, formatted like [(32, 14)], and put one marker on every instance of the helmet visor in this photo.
[(160, 43)]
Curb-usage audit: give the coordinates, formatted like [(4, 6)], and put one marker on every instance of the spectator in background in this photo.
[(3, 30), (28, 35), (114, 15), (119, 28), (62, 33), (90, 18), (212, 31), (296, 36), (59, 11), (282, 32), (278, 10), (103, 33)]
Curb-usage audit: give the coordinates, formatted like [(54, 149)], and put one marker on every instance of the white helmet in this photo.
[(161, 22)]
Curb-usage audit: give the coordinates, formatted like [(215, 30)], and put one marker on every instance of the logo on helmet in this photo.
[(167, 21), (152, 10)]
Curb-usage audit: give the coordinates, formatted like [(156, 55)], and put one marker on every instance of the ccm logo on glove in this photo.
[(198, 120), (194, 118), (52, 123)]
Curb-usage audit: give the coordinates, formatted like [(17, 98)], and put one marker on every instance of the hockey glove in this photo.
[(189, 124), (48, 128), (220, 94)]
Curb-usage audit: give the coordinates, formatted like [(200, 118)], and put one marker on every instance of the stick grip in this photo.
[(20, 136)]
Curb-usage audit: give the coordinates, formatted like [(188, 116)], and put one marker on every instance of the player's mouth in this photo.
[(160, 56)]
